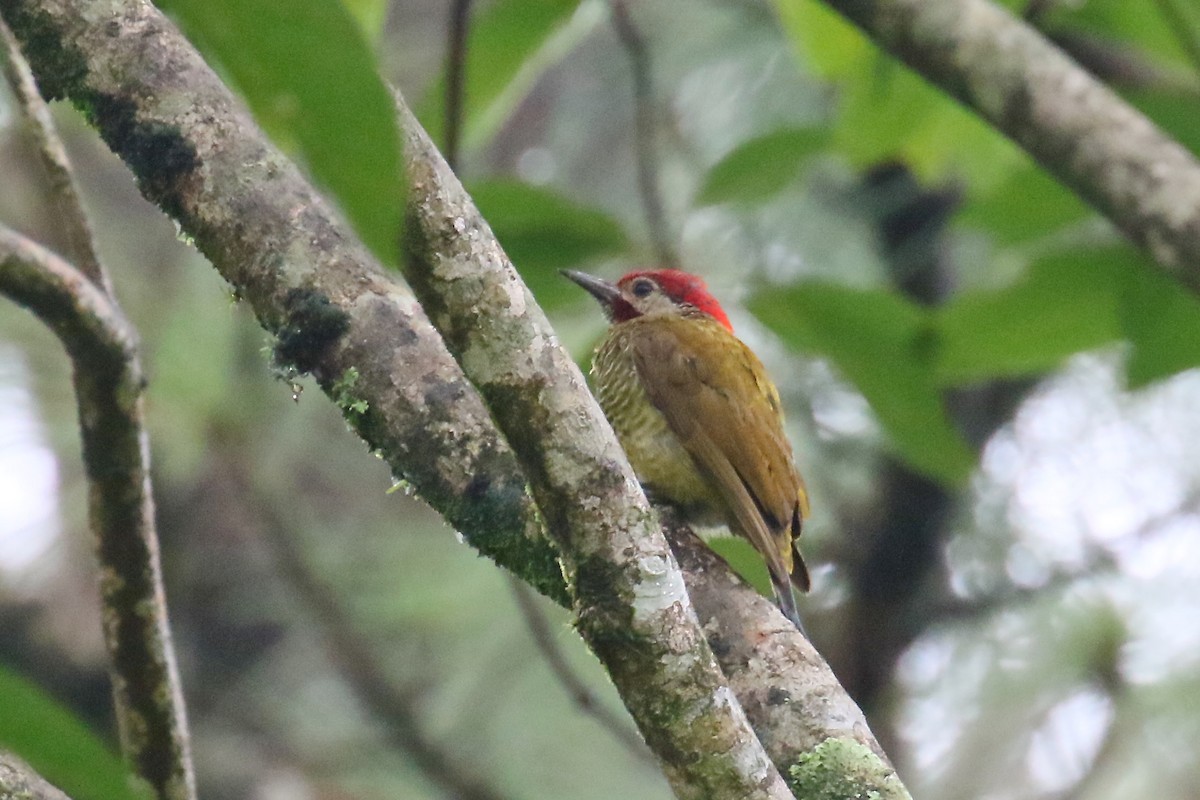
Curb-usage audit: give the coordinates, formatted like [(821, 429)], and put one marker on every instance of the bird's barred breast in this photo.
[(663, 466)]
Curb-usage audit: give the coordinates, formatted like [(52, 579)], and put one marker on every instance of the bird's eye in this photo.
[(642, 288)]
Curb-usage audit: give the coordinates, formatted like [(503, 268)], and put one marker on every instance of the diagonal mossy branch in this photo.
[(626, 588), (195, 150), (19, 782)]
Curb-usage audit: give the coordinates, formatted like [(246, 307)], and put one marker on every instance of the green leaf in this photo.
[(744, 560), (880, 342), (1066, 304), (57, 745), (542, 233), (501, 39), (1174, 113), (312, 82), (1131, 25), (888, 112), (369, 14), (1161, 320), (1028, 205), (823, 37), (758, 169)]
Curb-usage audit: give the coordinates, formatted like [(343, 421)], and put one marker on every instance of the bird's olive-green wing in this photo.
[(716, 397)]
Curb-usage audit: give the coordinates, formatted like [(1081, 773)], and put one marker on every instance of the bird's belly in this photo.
[(663, 466)]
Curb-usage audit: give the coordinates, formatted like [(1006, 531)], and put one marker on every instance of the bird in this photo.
[(698, 417)]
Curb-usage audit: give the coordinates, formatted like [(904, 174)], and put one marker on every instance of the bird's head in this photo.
[(652, 292)]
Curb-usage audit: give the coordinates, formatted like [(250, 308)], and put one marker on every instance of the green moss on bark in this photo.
[(843, 769), (159, 154), (313, 323)]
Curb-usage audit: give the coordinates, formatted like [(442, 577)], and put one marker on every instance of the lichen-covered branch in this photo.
[(628, 593), (19, 782), (1080, 131), (71, 215), (194, 150), (116, 456), (798, 707)]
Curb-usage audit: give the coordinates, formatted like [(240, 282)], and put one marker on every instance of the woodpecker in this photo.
[(698, 417)]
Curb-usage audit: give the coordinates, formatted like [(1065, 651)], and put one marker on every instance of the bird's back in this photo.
[(702, 425)]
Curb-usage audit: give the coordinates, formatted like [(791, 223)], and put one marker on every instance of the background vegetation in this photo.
[(990, 392)]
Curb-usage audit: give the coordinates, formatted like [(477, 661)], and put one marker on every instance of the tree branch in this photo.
[(108, 389), (54, 158), (1077, 128), (626, 587), (783, 683), (19, 782), (645, 134), (333, 310)]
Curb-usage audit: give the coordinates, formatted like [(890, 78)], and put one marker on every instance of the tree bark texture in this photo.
[(628, 592), (19, 782), (116, 455), (1077, 128), (196, 152)]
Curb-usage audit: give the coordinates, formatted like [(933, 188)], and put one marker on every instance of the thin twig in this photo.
[(108, 388), (356, 661), (543, 637), (1100, 562), (61, 178), (970, 611), (1185, 32), (456, 69), (645, 134)]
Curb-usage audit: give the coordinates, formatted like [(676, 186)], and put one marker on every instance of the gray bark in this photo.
[(1077, 128)]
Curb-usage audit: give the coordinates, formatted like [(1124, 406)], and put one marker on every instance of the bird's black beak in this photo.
[(607, 293)]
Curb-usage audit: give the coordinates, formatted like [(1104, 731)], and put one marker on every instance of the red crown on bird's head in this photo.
[(682, 287)]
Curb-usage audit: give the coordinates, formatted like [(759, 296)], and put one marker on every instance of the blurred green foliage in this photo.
[(55, 743), (504, 40), (1040, 279), (880, 342), (545, 232), (898, 360), (307, 72), (757, 170)]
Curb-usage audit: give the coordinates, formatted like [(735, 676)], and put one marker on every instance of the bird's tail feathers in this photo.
[(800, 576), (786, 599)]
